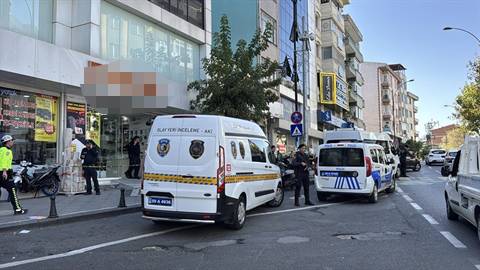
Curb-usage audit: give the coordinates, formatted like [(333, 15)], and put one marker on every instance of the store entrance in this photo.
[(116, 133)]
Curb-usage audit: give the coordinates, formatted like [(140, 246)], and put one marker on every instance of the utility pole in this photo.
[(295, 38), (306, 48)]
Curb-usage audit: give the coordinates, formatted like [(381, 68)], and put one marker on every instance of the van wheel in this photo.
[(278, 199), (392, 188), (321, 196), (397, 173), (450, 214), (239, 214), (373, 198), (478, 226)]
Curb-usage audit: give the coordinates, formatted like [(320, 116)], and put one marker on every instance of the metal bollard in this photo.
[(53, 208), (122, 204)]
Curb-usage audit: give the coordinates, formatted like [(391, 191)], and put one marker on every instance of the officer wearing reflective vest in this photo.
[(6, 157)]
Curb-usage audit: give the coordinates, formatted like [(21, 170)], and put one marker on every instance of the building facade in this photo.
[(389, 107), (41, 77), (438, 135)]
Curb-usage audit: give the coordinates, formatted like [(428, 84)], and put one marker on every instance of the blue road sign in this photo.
[(296, 130), (296, 117)]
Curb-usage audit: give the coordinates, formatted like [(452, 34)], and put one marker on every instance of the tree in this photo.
[(468, 102), (414, 146), (236, 85), (454, 139)]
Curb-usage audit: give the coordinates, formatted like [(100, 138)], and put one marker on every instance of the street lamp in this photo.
[(463, 30)]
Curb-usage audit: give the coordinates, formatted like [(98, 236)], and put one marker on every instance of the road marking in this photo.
[(295, 209), (399, 190), (477, 266), (90, 248), (416, 206), (453, 240), (430, 219), (406, 197)]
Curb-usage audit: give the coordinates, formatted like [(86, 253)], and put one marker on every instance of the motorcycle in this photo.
[(287, 174), (48, 181)]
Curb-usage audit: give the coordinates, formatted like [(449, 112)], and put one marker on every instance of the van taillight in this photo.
[(221, 171), (368, 165)]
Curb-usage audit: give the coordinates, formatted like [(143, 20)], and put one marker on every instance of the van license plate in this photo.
[(160, 201)]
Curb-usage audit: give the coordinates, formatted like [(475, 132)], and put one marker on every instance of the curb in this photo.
[(70, 218)]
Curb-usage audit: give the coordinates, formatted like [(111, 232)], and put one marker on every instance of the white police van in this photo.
[(353, 168), (204, 168), (462, 191), (383, 139)]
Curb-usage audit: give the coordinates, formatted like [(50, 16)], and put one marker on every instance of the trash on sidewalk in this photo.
[(23, 231)]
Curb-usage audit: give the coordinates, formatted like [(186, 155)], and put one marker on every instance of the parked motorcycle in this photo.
[(48, 181), (287, 174)]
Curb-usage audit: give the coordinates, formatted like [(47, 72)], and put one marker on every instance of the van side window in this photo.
[(374, 155), (381, 156), (233, 146), (258, 150), (242, 149)]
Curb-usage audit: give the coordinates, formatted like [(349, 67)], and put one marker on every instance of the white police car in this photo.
[(353, 168)]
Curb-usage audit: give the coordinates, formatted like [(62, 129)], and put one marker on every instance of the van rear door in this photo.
[(342, 167), (161, 169), (197, 166)]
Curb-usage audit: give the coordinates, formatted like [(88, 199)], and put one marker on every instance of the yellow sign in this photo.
[(45, 119), (93, 127), (328, 88)]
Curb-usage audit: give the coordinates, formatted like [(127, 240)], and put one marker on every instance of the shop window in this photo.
[(33, 121)]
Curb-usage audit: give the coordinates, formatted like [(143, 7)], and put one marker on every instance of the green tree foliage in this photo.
[(415, 147), (237, 85), (468, 102)]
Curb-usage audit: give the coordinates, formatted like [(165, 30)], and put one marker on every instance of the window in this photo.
[(327, 53), (190, 10), (234, 149), (374, 154), (258, 149), (266, 19), (341, 157), (242, 149), (381, 157)]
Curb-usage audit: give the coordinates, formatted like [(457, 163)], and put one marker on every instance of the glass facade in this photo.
[(190, 10), (126, 36), (33, 18), (286, 21), (32, 120)]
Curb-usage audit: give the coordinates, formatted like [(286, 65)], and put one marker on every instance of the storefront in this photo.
[(32, 119)]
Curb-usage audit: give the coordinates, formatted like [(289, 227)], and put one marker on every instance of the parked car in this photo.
[(436, 156), (413, 163), (462, 191), (448, 163)]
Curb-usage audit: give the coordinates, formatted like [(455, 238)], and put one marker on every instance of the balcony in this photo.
[(352, 49), (330, 10), (356, 100), (385, 83), (387, 114), (415, 109), (417, 121), (386, 99)]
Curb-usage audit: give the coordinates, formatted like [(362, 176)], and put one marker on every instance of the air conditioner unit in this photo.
[(276, 109)]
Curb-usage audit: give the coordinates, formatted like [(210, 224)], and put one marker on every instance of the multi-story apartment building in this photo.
[(355, 80), (389, 107), (45, 47), (245, 18), (331, 56)]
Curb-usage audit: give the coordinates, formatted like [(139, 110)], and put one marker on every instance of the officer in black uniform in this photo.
[(90, 163), (403, 161), (301, 173)]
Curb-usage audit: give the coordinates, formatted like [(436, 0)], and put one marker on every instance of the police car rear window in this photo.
[(341, 157)]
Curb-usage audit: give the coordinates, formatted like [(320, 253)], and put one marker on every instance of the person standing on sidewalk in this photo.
[(133, 158), (272, 155), (6, 157), (90, 163), (301, 172)]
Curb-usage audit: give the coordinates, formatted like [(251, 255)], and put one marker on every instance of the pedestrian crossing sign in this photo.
[(296, 130)]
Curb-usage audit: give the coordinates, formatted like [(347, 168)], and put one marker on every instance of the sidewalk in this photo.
[(73, 206)]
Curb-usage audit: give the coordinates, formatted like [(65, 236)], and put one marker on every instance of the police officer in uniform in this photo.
[(90, 163), (6, 157), (403, 161), (301, 172)]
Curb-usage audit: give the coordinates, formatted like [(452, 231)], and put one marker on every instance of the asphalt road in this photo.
[(339, 234)]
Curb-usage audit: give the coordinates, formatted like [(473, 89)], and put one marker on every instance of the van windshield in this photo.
[(341, 157)]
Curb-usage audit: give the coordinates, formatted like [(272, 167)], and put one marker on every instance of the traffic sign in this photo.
[(296, 130), (296, 117)]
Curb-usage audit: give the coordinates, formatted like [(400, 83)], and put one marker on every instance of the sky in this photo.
[(410, 32)]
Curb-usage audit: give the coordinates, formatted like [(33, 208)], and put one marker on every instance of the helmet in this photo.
[(7, 138)]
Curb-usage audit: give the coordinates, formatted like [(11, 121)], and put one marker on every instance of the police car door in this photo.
[(378, 172), (387, 169), (197, 166)]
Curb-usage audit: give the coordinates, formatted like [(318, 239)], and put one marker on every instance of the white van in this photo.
[(462, 191), (205, 168), (353, 168), (353, 135)]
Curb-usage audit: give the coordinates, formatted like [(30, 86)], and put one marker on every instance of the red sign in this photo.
[(282, 148), (229, 167)]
